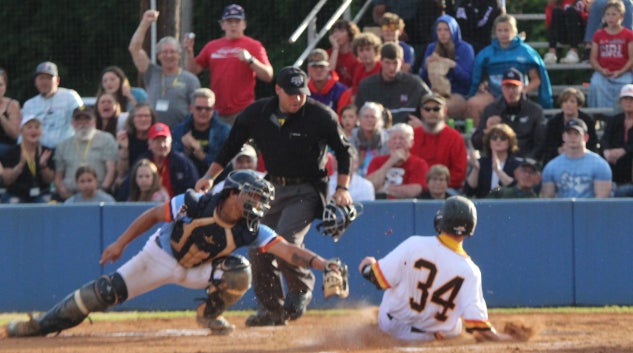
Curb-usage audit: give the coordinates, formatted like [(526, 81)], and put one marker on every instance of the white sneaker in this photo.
[(570, 58), (550, 58)]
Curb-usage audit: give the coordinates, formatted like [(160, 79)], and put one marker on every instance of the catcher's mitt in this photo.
[(518, 331), (335, 279)]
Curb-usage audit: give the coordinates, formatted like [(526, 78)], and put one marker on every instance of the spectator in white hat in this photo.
[(617, 144), (246, 158), (28, 167)]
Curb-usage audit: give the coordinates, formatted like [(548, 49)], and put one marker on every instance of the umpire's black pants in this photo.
[(290, 216)]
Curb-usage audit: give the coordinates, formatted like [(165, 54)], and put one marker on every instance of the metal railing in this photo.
[(309, 23)]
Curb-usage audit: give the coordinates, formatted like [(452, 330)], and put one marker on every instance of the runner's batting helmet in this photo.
[(255, 192), (457, 215)]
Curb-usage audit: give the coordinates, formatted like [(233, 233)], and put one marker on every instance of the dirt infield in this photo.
[(352, 331)]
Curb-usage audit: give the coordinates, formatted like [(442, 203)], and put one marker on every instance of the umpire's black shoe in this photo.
[(265, 318), (296, 304)]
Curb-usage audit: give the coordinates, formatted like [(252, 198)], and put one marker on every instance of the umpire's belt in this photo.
[(285, 181)]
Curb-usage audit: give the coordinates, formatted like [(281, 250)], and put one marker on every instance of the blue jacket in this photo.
[(217, 135), (460, 76), (182, 171), (493, 61), (485, 176)]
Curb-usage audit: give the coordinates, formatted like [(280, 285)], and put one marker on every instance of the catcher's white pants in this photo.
[(406, 331), (152, 267)]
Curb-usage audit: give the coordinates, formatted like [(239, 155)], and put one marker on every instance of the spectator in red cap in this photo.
[(178, 173), (234, 62)]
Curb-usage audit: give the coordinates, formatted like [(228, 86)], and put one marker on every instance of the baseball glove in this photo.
[(335, 279), (518, 331)]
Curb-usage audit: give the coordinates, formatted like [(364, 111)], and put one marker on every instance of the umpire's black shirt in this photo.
[(293, 145)]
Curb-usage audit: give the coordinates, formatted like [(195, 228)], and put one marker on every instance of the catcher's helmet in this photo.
[(255, 192), (337, 218), (457, 215)]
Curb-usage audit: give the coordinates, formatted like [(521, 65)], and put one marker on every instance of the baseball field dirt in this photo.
[(322, 331)]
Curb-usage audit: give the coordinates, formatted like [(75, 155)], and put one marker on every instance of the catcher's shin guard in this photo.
[(97, 295), (230, 279)]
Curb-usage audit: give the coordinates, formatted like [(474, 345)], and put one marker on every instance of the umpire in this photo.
[(293, 133)]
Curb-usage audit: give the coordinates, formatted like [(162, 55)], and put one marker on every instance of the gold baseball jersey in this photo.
[(430, 283)]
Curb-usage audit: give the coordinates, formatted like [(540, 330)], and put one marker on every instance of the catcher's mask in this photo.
[(337, 218), (255, 194), (457, 215)]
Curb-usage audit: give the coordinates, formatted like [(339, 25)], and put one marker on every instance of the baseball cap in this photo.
[(293, 80), (247, 150), (529, 162), (84, 111), (233, 11), (158, 129), (576, 124), (28, 118), (46, 67), (318, 57), (512, 76), (626, 91), (433, 96)]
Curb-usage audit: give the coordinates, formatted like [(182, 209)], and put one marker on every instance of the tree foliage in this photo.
[(83, 37)]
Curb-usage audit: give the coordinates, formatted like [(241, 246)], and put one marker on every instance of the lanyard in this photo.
[(30, 162), (86, 150), (163, 87)]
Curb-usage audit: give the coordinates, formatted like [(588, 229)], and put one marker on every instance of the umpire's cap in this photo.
[(293, 81)]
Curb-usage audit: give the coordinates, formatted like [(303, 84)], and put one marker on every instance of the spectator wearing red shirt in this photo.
[(234, 63), (399, 174), (438, 143), (366, 47), (342, 58)]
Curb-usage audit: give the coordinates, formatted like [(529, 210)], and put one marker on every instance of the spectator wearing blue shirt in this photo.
[(578, 172), (507, 50)]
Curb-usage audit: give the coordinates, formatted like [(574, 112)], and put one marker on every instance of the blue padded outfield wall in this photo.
[(531, 253)]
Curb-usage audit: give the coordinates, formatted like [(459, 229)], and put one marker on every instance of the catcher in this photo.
[(193, 249), (430, 283)]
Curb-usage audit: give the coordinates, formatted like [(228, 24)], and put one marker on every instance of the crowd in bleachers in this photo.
[(397, 93)]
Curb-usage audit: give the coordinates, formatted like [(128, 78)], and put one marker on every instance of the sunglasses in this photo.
[(206, 109), (389, 26), (432, 109), (498, 137)]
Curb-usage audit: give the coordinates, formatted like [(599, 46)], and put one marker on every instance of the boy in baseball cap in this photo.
[(527, 176), (576, 124), (233, 11), (512, 76), (48, 68)]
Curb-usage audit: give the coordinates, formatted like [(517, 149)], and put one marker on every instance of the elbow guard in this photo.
[(368, 274)]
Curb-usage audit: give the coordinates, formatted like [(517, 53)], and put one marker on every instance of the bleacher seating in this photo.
[(557, 87)]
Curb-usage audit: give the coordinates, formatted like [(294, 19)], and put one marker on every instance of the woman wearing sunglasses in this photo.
[(496, 167)]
